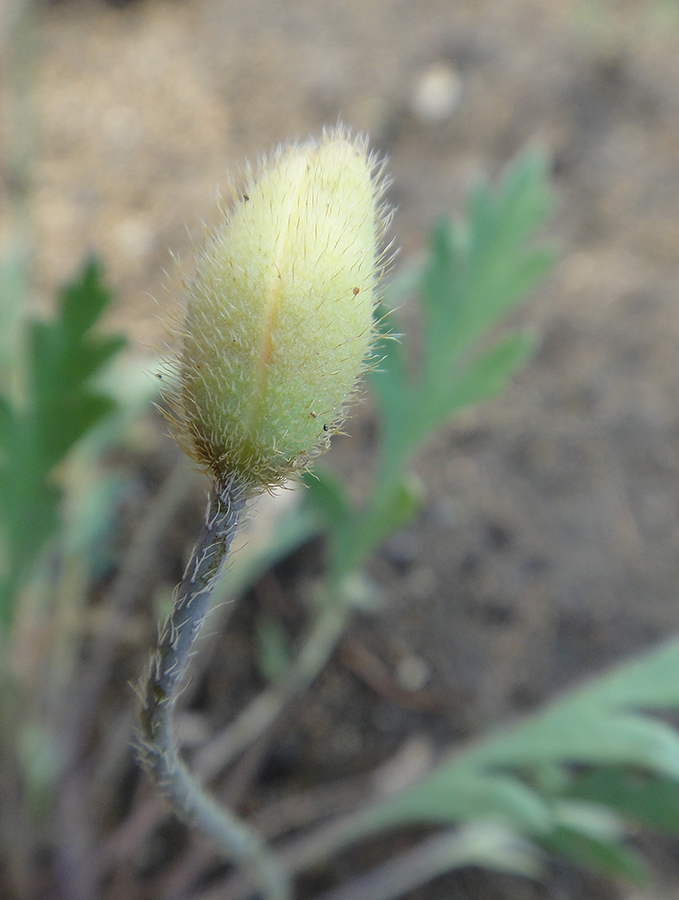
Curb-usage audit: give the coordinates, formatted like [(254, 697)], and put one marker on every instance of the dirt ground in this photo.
[(547, 546)]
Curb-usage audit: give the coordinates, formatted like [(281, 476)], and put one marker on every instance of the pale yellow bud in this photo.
[(279, 320)]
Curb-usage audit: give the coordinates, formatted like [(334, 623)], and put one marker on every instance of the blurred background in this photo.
[(548, 543)]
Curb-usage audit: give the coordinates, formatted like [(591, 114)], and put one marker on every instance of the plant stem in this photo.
[(157, 744), (253, 722)]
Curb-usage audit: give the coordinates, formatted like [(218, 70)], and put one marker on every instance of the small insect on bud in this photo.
[(279, 319)]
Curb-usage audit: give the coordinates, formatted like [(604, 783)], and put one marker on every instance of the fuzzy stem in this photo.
[(157, 744)]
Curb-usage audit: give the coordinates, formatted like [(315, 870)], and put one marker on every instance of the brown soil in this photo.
[(547, 546)]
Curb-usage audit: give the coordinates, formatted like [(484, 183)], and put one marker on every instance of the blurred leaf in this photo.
[(92, 490), (391, 510), (594, 837), (403, 285), (455, 794), (598, 725), (6, 424), (597, 854), (273, 651), (646, 799), (60, 406), (474, 273), (485, 375), (325, 494)]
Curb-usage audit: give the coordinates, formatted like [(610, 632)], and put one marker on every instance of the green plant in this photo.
[(55, 406), (566, 782), (247, 335), (56, 402)]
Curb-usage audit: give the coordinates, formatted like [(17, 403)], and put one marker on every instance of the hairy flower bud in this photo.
[(279, 320)]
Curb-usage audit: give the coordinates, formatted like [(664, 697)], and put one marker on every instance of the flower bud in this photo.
[(279, 320)]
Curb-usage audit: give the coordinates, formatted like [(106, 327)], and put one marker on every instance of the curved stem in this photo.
[(157, 745), (254, 721)]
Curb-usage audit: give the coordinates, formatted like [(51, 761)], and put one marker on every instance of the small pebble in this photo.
[(437, 93), (412, 673)]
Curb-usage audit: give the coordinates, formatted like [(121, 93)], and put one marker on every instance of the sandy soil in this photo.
[(547, 547)]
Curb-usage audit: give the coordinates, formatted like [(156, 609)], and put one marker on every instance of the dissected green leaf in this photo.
[(632, 762), (484, 376), (475, 273), (60, 406), (589, 730)]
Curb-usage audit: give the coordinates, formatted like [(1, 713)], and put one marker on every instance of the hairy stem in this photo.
[(157, 745)]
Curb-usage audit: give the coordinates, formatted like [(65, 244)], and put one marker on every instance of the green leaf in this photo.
[(592, 836), (60, 407), (273, 650), (6, 424), (62, 424), (598, 855), (83, 300), (325, 494), (473, 275), (392, 510), (481, 378), (14, 283), (447, 798), (477, 273), (631, 758), (643, 798)]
